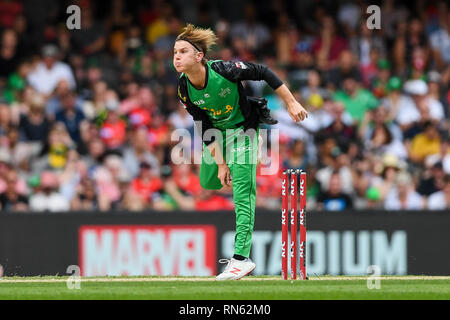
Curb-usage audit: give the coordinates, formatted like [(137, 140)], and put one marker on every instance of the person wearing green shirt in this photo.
[(357, 101), (212, 92)]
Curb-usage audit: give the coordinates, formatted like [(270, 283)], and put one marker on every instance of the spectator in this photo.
[(48, 198), (33, 122), (9, 55), (440, 39), (11, 199), (49, 71), (347, 67), (86, 198), (139, 152), (71, 116), (382, 142), (425, 143), (334, 199), (357, 101), (329, 45), (148, 186), (434, 182), (404, 197), (91, 38), (440, 200), (113, 130), (297, 157), (340, 164)]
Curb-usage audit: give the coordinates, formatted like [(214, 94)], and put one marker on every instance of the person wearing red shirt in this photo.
[(113, 130), (147, 185)]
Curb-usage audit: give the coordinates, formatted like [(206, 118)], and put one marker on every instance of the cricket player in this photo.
[(211, 91)]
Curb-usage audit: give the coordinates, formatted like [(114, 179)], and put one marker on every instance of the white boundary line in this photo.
[(199, 279)]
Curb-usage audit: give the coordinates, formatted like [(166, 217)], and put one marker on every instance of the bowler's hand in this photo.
[(297, 112), (224, 174)]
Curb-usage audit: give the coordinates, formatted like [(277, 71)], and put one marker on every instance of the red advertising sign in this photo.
[(186, 250)]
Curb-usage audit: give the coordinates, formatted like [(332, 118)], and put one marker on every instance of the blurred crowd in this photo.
[(86, 116)]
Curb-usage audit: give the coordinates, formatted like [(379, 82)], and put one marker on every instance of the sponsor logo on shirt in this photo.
[(224, 92)]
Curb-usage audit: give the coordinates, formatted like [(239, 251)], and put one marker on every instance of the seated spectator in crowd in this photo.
[(357, 101), (379, 83), (71, 116), (138, 152), (385, 174), (10, 54), (49, 71), (440, 200), (418, 90), (347, 68), (329, 44), (400, 106), (20, 151), (376, 118), (86, 198), (113, 129), (341, 128), (334, 199), (34, 125), (54, 102), (432, 183), (183, 186), (91, 38), (383, 142), (440, 39), (11, 199), (48, 198), (443, 156), (297, 157), (108, 190), (426, 143), (54, 153), (148, 186), (404, 196), (340, 164)]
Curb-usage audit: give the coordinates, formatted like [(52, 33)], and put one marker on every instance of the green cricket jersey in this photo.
[(222, 103)]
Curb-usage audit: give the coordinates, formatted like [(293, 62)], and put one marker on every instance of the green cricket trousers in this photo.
[(240, 153)]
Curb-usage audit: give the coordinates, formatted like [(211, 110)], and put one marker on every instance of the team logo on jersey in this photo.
[(240, 65), (206, 95), (224, 92)]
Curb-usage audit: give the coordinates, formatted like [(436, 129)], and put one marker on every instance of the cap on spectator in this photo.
[(416, 87), (383, 64), (434, 76), (34, 181), (48, 179), (391, 161), (49, 50), (394, 83), (373, 194)]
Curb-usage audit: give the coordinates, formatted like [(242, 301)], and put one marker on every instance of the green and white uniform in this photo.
[(222, 104)]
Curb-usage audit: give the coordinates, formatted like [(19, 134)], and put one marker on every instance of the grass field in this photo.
[(206, 288)]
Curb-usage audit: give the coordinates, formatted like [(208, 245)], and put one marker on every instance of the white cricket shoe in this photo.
[(236, 269)]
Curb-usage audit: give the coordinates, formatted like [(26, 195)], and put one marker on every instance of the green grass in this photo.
[(255, 288)]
